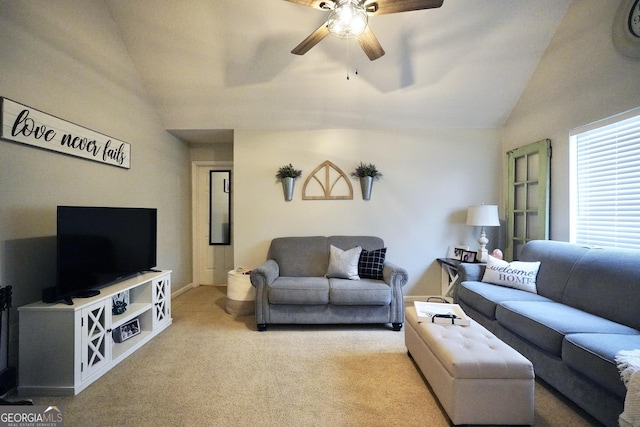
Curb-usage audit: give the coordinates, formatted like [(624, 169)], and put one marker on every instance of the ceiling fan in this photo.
[(349, 19)]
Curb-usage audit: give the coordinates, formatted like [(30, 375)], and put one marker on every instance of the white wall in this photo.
[(218, 151), (418, 207), (67, 59), (580, 79)]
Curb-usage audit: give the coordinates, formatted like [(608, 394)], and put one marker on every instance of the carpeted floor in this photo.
[(214, 369)]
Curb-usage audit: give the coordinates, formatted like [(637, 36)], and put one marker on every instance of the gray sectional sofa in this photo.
[(292, 287), (586, 309)]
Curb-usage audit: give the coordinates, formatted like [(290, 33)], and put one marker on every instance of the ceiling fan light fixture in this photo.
[(348, 19)]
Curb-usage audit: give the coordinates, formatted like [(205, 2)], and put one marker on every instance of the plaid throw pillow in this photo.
[(371, 263)]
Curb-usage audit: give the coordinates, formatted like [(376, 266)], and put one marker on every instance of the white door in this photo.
[(211, 262)]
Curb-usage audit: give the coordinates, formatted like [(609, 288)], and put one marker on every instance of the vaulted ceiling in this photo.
[(214, 65)]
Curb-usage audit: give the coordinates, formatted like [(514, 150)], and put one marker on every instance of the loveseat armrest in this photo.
[(262, 277), (266, 274), (470, 272), (394, 275)]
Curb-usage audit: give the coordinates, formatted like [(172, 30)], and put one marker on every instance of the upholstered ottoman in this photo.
[(477, 378)]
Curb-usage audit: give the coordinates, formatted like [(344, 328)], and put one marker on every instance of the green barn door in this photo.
[(527, 210)]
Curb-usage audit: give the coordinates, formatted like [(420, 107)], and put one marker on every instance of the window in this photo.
[(605, 182)]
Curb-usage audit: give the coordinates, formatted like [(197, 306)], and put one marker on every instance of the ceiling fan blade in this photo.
[(383, 7), (316, 4), (313, 39), (370, 44)]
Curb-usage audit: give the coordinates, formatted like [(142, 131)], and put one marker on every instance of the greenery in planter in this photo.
[(288, 171), (366, 169)]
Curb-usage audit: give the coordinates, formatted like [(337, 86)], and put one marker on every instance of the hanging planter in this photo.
[(288, 174), (288, 185), (366, 173), (366, 184)]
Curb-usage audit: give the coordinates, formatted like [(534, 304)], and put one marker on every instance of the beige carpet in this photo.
[(213, 369)]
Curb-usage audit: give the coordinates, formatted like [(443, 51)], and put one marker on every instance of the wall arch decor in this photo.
[(327, 182)]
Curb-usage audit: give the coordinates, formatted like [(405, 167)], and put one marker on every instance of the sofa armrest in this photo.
[(470, 272), (394, 275), (265, 275)]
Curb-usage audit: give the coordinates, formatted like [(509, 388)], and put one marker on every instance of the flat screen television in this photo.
[(98, 246)]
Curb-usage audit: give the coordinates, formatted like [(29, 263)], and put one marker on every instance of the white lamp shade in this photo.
[(483, 215)]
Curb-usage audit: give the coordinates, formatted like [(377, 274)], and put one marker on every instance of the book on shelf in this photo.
[(441, 313)]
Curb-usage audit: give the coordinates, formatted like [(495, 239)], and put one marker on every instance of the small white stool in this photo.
[(478, 378), (241, 294)]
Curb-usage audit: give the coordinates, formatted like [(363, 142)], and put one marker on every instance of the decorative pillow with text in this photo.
[(517, 274), (344, 264), (371, 264)]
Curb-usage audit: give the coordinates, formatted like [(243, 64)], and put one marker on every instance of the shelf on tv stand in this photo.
[(65, 348)]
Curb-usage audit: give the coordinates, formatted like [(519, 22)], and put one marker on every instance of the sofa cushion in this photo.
[(300, 256), (557, 260), (361, 292), (299, 290), (593, 355), (545, 324), (606, 282), (485, 297), (344, 264), (517, 274), (371, 263)]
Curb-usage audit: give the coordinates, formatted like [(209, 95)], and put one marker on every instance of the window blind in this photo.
[(606, 187)]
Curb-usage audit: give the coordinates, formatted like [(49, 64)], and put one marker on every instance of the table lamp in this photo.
[(483, 216)]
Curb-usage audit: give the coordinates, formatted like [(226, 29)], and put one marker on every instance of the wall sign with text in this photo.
[(29, 126)]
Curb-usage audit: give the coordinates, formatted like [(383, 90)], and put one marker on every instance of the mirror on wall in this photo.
[(220, 207)]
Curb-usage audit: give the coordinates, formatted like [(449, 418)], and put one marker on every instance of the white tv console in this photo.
[(64, 348)]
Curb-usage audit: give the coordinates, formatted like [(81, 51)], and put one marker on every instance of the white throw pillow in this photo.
[(344, 264), (517, 274)]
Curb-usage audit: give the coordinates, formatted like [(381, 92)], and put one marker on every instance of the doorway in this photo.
[(211, 262)]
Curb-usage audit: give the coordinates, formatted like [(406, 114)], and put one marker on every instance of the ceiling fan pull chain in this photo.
[(349, 62), (355, 68), (348, 59)]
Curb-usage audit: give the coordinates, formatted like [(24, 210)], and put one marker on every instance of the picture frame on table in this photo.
[(469, 256), (456, 251), (128, 330)]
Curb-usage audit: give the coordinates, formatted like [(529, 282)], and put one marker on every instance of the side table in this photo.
[(450, 277)]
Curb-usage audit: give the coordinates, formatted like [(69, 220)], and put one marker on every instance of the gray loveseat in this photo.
[(291, 286), (586, 310)]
